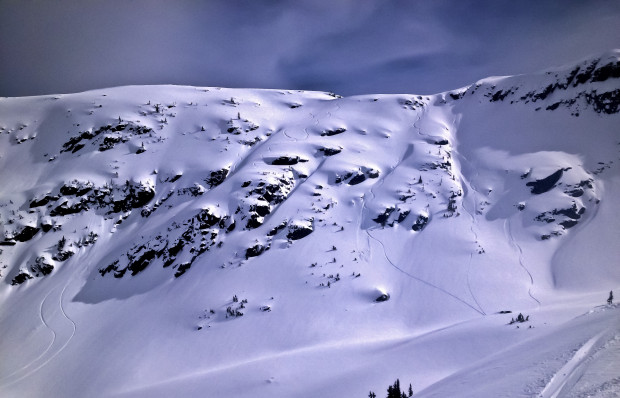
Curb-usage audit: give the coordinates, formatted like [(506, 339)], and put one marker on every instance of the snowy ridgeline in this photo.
[(244, 229)]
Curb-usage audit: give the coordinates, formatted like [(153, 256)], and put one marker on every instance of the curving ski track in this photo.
[(368, 233), (63, 329), (513, 242)]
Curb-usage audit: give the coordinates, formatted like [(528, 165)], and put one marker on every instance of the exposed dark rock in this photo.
[(383, 217), (568, 223), (357, 179), (333, 132), (41, 266), (297, 232), (402, 216), (357, 176), (141, 263), (286, 161), (42, 202), (501, 95), (607, 102), (330, 151), (136, 195), (442, 142), (575, 193), (382, 298), (420, 223), (26, 234), (344, 177), (254, 221), (76, 188), (62, 255), (546, 184), (206, 219), (217, 177), (176, 177), (182, 269), (277, 228), (571, 212), (76, 143), (109, 141), (255, 251), (64, 209), (610, 70), (20, 278)]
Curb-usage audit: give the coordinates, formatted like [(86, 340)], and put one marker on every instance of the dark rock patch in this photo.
[(330, 151), (277, 229), (568, 223), (76, 188), (329, 133), (20, 278), (26, 234), (383, 217), (382, 298), (217, 177), (43, 201), (357, 179), (297, 232), (286, 161), (546, 184), (420, 223), (255, 251)]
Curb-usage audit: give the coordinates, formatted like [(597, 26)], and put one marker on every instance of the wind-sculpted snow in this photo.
[(228, 234)]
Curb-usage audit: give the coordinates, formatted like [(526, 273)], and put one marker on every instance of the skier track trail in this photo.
[(370, 236), (63, 329), (465, 183), (34, 361), (517, 247)]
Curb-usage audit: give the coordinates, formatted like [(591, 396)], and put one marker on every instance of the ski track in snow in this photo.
[(472, 215), (34, 361), (63, 329), (378, 185), (517, 247), (420, 279)]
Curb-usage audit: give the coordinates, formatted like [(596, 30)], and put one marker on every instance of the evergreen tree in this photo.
[(611, 297), (410, 390), (372, 395), (394, 390)]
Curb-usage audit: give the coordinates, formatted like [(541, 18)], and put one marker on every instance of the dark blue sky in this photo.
[(345, 46)]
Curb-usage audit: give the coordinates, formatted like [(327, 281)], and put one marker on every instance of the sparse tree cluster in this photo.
[(394, 391)]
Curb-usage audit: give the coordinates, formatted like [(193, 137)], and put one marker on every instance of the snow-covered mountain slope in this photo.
[(183, 241)]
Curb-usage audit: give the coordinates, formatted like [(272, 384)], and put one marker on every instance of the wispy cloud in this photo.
[(349, 47)]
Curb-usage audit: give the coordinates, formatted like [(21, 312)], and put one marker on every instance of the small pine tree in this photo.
[(611, 297), (372, 395), (410, 390)]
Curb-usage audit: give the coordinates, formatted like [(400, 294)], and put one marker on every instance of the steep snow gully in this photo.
[(164, 241)]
